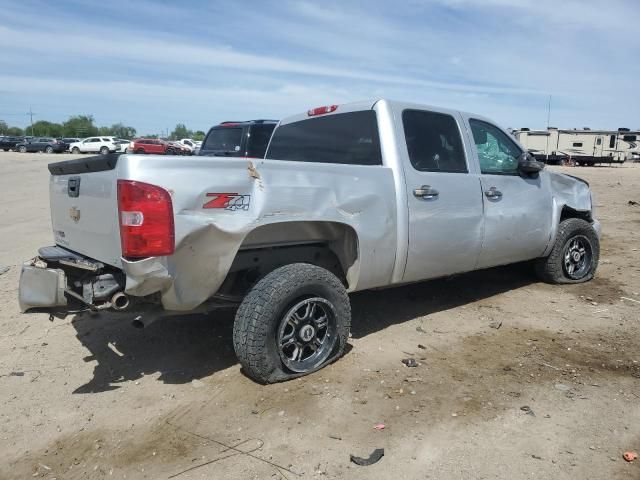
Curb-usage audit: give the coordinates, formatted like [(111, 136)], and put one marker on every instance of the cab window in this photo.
[(433, 142), (497, 153)]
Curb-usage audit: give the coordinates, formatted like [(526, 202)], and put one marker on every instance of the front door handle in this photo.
[(493, 193), (426, 191)]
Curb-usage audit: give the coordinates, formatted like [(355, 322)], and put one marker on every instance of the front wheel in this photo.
[(22, 149), (294, 321), (75, 150), (575, 254), (49, 150)]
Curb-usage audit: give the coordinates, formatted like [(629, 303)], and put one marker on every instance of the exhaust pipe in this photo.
[(143, 322), (120, 301)]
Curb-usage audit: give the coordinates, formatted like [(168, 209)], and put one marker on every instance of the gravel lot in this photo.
[(91, 397)]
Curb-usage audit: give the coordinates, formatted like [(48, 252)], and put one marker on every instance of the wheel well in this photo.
[(330, 245), (568, 212)]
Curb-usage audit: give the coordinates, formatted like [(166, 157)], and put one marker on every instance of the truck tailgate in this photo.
[(84, 207)]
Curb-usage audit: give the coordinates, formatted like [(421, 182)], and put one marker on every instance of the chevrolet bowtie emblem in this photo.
[(74, 213)]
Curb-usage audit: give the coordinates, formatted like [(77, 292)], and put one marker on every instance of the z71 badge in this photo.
[(228, 201)]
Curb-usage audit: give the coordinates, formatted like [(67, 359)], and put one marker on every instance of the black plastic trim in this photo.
[(98, 163)]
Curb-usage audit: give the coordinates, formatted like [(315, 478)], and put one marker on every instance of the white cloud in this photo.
[(498, 57)]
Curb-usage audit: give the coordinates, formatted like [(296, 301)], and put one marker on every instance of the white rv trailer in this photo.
[(584, 146)]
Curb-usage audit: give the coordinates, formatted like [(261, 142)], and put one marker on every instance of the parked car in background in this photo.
[(189, 143), (9, 143), (180, 149), (42, 144), (238, 139), (101, 145), (153, 145), (70, 141), (122, 145)]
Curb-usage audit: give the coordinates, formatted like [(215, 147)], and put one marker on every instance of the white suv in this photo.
[(101, 145)]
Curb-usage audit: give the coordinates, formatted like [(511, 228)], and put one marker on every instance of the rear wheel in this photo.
[(169, 151), (293, 322), (575, 254), (6, 149), (49, 149), (22, 149), (104, 150)]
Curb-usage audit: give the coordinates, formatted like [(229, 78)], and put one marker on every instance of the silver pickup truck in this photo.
[(350, 197)]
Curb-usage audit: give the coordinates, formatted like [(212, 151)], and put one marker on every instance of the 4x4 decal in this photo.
[(228, 201)]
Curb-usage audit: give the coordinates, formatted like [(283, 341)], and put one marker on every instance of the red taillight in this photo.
[(322, 110), (146, 220)]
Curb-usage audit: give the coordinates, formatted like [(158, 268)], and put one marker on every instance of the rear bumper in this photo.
[(59, 280), (41, 287)]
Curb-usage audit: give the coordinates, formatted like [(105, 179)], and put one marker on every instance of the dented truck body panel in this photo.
[(368, 216), (573, 193), (275, 193)]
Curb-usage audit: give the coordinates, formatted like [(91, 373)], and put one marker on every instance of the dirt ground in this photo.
[(554, 392)]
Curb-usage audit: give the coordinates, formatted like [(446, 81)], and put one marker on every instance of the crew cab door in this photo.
[(517, 208), (443, 196)]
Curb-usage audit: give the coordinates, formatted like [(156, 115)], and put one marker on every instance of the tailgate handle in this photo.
[(73, 187)]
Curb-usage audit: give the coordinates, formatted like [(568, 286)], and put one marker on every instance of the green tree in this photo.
[(181, 131), (198, 135), (3, 127), (49, 129), (15, 131), (122, 131), (79, 126)]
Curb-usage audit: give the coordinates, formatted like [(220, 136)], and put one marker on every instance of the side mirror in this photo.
[(528, 164)]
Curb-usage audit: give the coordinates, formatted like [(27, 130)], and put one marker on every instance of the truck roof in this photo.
[(367, 105), (229, 123)]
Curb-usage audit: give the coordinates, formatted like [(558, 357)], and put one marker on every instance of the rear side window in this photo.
[(259, 139), (223, 139), (346, 138), (433, 142)]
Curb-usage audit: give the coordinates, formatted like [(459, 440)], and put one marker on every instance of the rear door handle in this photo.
[(426, 191), (493, 192)]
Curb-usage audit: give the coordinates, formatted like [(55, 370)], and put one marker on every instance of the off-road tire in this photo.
[(262, 310), (550, 269)]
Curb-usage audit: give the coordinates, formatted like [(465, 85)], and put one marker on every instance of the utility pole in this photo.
[(31, 116), (548, 132)]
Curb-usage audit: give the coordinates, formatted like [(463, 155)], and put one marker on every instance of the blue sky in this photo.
[(152, 64)]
